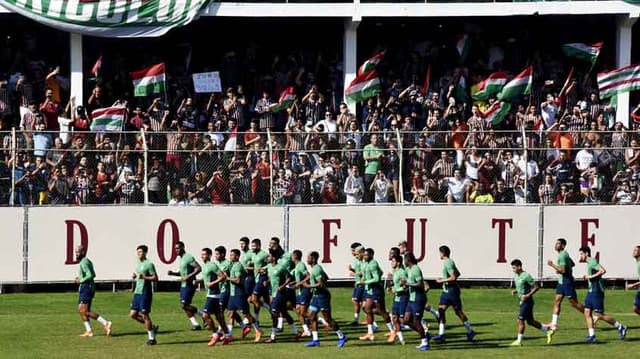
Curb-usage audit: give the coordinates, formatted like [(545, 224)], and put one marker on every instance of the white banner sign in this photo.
[(11, 220), (610, 232), (483, 240), (111, 235), (207, 82)]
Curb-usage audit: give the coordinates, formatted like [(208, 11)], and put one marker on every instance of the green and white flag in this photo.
[(519, 85), (582, 51), (489, 86), (286, 100), (496, 113), (370, 64), (108, 119), (363, 87), (624, 79), (110, 18), (148, 81)]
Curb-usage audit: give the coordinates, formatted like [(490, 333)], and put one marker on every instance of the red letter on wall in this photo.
[(327, 240), (84, 239), (502, 236), (585, 238), (175, 238), (411, 246)]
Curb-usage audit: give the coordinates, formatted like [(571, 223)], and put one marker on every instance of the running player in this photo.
[(237, 296), (144, 275), (260, 292), (212, 277), (417, 299), (636, 285), (303, 295), (86, 292), (402, 249), (277, 284), (526, 287), (374, 294), (400, 298), (594, 301), (357, 297), (188, 270), (450, 295)]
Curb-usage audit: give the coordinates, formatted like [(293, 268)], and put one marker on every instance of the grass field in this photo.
[(47, 325)]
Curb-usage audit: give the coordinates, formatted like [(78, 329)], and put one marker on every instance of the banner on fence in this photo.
[(111, 235), (11, 220)]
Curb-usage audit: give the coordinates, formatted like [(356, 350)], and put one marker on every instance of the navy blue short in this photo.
[(358, 293), (636, 302), (526, 310), (595, 302), (249, 283), (320, 302), (399, 305), (186, 295), (451, 298), (259, 288), (212, 306), (85, 294), (279, 303), (416, 306), (304, 298), (376, 294), (142, 302), (224, 299), (238, 303), (567, 289)]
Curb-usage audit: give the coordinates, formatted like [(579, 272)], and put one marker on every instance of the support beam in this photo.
[(350, 54), (623, 58), (75, 65)]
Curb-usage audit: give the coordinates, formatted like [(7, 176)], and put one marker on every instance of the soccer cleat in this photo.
[(213, 341), (107, 328), (401, 342), (258, 336), (305, 334), (151, 342), (196, 327), (404, 327), (342, 341), (368, 336), (591, 339), (245, 332), (550, 333), (391, 337), (516, 343), (270, 340), (423, 347), (439, 338), (87, 334), (470, 335), (154, 329), (313, 343), (623, 331), (227, 340)]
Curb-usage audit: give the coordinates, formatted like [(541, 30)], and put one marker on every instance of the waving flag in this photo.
[(489, 86), (519, 85), (582, 51), (149, 80), (624, 79), (370, 64)]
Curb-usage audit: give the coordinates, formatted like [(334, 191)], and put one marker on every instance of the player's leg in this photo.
[(107, 325), (636, 303), (369, 307), (557, 307), (417, 310), (574, 303), (326, 314), (356, 299), (83, 310), (520, 325), (275, 314), (312, 316), (381, 308), (434, 311), (598, 312), (186, 298), (588, 317)]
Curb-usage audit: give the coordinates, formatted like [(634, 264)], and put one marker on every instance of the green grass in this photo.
[(47, 325)]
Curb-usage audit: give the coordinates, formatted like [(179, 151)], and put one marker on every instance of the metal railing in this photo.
[(306, 167)]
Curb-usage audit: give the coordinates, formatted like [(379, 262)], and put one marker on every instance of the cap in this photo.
[(302, 153), (413, 93)]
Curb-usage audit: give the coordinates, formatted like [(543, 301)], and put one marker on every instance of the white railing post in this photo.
[(270, 167), (400, 174), (526, 163), (14, 156), (145, 178)]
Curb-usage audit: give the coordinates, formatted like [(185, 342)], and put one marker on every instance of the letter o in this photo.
[(175, 238)]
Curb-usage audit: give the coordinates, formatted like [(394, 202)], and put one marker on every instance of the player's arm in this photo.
[(375, 275), (633, 285), (601, 271), (304, 280), (151, 275), (85, 274), (558, 268), (533, 291), (196, 270)]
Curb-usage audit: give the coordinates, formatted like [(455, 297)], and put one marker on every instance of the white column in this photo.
[(350, 54), (77, 78), (623, 58)]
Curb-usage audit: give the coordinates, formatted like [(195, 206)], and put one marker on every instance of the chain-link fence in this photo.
[(303, 166)]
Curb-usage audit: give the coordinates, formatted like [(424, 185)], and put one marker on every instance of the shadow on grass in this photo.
[(126, 334)]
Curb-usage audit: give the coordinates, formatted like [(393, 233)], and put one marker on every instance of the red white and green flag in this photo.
[(624, 79), (370, 64), (286, 99), (108, 119), (149, 80), (362, 87), (96, 67), (582, 51), (496, 113), (519, 85), (463, 44), (489, 86)]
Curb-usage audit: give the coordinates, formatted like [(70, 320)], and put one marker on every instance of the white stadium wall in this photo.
[(483, 239)]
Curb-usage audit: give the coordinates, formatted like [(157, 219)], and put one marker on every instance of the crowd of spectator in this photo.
[(406, 144)]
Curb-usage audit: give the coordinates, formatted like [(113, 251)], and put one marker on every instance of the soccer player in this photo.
[(260, 292), (566, 285), (144, 275), (277, 283), (636, 302), (594, 302), (212, 277), (245, 258), (87, 290), (374, 294), (320, 301), (357, 297), (237, 296), (450, 295), (402, 250), (417, 299), (303, 295), (526, 287), (220, 254), (400, 297), (188, 270)]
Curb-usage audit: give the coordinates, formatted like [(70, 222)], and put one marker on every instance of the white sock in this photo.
[(554, 320), (356, 316), (544, 329), (340, 334), (375, 325), (423, 323), (87, 326), (321, 321), (424, 341), (390, 326), (245, 321), (280, 322), (434, 312), (273, 333), (314, 335), (441, 329), (369, 328), (101, 320), (219, 329), (520, 337), (228, 335), (229, 327), (592, 332), (305, 328), (400, 336), (193, 320), (468, 326), (150, 333), (617, 325)]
